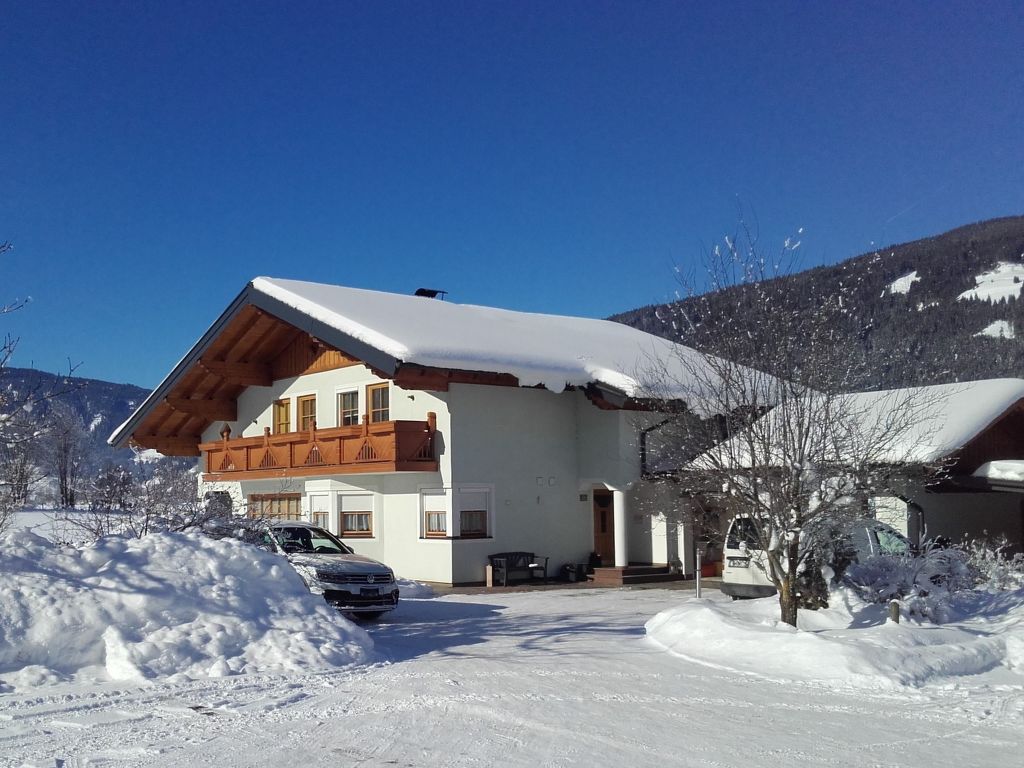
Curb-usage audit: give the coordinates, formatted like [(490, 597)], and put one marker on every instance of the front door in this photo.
[(604, 527)]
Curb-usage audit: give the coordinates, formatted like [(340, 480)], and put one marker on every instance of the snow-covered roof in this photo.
[(897, 426), (554, 351), (387, 331)]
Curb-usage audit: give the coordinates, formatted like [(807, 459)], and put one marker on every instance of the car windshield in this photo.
[(891, 542), (742, 529), (309, 540)]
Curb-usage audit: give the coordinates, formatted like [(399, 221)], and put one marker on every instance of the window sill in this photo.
[(455, 538)]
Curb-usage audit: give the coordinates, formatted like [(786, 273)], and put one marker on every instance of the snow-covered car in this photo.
[(745, 568), (353, 583)]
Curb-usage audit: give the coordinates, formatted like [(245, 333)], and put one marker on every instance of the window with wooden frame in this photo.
[(435, 514), (282, 416), (276, 506), (320, 510), (473, 505), (306, 407), (378, 398), (348, 408), (356, 515)]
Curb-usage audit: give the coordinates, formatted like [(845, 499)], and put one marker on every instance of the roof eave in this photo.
[(250, 296)]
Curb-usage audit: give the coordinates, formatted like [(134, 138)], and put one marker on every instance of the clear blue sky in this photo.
[(554, 157)]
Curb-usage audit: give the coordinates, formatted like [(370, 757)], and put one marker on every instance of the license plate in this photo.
[(369, 592), (739, 562)]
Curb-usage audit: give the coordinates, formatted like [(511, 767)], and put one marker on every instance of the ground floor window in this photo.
[(356, 512), (276, 506), (465, 513), (473, 506), (435, 513)]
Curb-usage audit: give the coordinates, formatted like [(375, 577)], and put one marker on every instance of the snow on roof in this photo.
[(1006, 469), (1003, 282), (551, 350), (896, 426)]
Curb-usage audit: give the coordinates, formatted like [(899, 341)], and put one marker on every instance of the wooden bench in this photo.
[(511, 565)]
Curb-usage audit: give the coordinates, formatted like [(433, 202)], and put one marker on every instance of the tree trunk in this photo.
[(787, 601)]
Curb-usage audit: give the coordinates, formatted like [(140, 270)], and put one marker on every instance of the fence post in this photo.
[(894, 611)]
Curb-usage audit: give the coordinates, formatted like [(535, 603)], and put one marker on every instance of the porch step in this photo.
[(633, 574)]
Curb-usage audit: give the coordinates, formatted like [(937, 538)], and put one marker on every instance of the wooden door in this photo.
[(604, 527)]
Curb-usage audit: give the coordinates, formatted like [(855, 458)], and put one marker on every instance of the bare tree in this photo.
[(19, 460), (68, 446), (166, 499), (769, 429)]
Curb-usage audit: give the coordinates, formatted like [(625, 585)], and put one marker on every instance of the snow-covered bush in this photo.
[(996, 571), (925, 583)]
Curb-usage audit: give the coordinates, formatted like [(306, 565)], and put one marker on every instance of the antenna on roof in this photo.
[(430, 293)]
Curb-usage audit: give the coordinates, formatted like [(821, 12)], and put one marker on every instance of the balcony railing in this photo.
[(386, 446)]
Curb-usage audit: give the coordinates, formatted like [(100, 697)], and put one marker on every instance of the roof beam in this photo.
[(210, 409), (243, 374)]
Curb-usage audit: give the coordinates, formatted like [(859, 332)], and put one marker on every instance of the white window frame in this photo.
[(338, 392), (444, 493), (456, 507)]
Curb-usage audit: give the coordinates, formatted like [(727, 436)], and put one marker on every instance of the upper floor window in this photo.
[(307, 412), (282, 416), (379, 400), (348, 408)]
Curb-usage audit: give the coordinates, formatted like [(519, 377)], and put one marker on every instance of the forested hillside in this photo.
[(941, 309)]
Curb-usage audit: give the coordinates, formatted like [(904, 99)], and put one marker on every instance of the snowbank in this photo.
[(163, 606), (849, 644)]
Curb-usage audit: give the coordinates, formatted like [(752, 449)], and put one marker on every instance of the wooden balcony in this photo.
[(386, 446)]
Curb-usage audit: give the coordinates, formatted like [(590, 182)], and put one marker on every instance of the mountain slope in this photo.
[(100, 405), (942, 309)]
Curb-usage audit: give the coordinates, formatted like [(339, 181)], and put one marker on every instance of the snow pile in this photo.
[(414, 590), (1000, 329), (162, 606), (902, 284), (1003, 282), (851, 644)]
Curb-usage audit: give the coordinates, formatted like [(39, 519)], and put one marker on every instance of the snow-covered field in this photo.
[(563, 678), (1003, 282)]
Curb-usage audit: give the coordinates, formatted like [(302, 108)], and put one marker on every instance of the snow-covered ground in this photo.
[(559, 678), (1003, 282), (999, 329), (902, 284)]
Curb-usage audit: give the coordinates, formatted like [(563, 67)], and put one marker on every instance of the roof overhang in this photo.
[(374, 358)]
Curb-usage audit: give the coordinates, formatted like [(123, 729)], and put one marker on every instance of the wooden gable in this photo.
[(254, 349)]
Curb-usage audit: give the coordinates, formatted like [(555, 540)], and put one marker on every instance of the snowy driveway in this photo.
[(554, 678)]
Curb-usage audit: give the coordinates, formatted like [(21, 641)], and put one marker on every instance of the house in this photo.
[(428, 434), (950, 455)]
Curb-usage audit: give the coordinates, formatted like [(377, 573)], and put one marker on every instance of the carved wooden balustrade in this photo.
[(386, 446)]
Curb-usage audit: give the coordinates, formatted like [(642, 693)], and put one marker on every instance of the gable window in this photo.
[(276, 506), (348, 409), (435, 514), (356, 515), (306, 406), (379, 400), (282, 416), (473, 505)]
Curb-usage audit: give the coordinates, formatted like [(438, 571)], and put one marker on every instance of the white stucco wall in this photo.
[(538, 454)]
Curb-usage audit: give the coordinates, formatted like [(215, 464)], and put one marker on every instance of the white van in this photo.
[(745, 568)]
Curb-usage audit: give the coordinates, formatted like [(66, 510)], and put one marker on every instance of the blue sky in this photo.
[(552, 157)]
